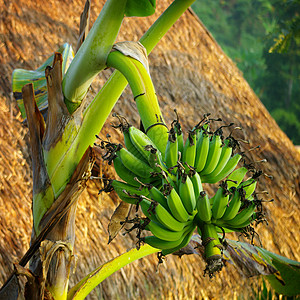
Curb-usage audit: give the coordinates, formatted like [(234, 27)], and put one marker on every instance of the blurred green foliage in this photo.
[(263, 38)]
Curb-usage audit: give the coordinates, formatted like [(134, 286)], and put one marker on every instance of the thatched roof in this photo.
[(191, 73)]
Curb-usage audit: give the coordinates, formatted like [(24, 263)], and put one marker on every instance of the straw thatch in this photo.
[(191, 73)]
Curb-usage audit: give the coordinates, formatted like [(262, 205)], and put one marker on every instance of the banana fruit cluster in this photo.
[(168, 187)]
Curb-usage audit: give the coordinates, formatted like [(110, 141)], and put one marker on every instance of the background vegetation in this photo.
[(262, 37)]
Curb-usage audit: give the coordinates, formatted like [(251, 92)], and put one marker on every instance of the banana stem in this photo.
[(153, 35), (92, 55), (144, 95), (88, 283)]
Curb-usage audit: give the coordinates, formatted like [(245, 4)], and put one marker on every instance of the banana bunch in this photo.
[(205, 151), (137, 164), (169, 222), (230, 208), (168, 187)]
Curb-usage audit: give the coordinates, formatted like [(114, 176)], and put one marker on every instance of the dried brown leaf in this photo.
[(118, 219)]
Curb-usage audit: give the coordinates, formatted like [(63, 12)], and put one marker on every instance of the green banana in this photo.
[(238, 227), (170, 179), (186, 193), (171, 154), (236, 177), (155, 160), (163, 233), (202, 149), (243, 216), (147, 209), (229, 167), (203, 207), (234, 205), (214, 153), (127, 199), (167, 219), (130, 177), (189, 150), (124, 173), (197, 184), (158, 196), (125, 190), (184, 241), (220, 201), (140, 140), (224, 158), (155, 242), (179, 133), (176, 206), (134, 164), (130, 146)]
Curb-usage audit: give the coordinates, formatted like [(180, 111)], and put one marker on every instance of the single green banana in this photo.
[(189, 150), (187, 194), (202, 149), (236, 177), (243, 216), (229, 167), (179, 133), (127, 199), (171, 154), (169, 179), (176, 206), (197, 184), (238, 227), (125, 190), (128, 176), (167, 219), (186, 239), (148, 209), (234, 205), (130, 146), (203, 207), (220, 202), (124, 173), (155, 242), (140, 140), (134, 164), (155, 160), (156, 195), (214, 153), (224, 158), (163, 233)]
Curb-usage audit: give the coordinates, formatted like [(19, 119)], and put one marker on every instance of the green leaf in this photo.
[(289, 271), (140, 8), (282, 273), (37, 77)]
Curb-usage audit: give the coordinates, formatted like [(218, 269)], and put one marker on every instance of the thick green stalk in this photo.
[(88, 283), (144, 95), (153, 35), (92, 55)]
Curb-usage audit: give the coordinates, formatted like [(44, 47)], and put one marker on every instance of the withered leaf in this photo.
[(117, 220)]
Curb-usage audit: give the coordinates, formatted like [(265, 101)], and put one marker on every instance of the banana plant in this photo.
[(62, 130)]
